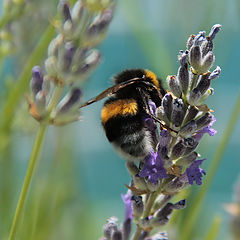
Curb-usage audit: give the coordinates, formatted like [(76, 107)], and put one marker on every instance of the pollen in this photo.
[(119, 107), (153, 77)]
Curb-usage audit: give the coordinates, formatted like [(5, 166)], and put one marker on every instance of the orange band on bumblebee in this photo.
[(153, 77), (119, 107)]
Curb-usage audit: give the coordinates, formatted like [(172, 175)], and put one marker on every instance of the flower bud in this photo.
[(204, 120), (183, 74), (180, 205), (174, 85), (139, 182), (54, 46), (167, 105), (191, 113), (100, 23), (77, 12), (40, 101), (69, 50), (137, 206), (188, 129), (175, 185), (162, 115), (159, 236), (187, 160), (177, 112), (132, 168), (206, 47), (127, 227), (215, 29), (195, 57), (200, 37), (215, 73), (37, 80), (66, 14), (177, 150), (117, 235), (90, 63), (68, 109), (152, 187), (204, 84), (143, 235), (161, 201), (110, 227), (207, 62), (190, 41), (194, 97), (51, 66)]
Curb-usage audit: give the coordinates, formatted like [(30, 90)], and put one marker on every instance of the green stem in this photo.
[(28, 178), (137, 234), (198, 200)]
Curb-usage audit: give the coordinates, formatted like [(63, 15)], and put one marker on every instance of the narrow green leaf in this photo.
[(199, 198)]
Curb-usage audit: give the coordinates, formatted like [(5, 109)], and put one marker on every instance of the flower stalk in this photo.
[(55, 96), (28, 178), (173, 163)]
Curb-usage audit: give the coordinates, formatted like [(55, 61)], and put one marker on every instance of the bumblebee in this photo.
[(124, 112)]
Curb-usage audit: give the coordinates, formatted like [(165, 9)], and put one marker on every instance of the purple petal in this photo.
[(128, 204), (195, 173)]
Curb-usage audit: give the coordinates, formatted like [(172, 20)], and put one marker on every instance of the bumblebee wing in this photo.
[(109, 91)]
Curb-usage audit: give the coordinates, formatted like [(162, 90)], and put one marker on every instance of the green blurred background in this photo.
[(79, 177)]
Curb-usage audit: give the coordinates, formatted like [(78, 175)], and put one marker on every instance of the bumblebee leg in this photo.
[(145, 98)]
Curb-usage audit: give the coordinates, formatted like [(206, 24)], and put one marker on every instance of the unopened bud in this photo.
[(167, 105), (77, 11), (215, 29), (90, 63), (110, 227), (40, 101), (117, 235), (204, 120), (69, 50), (174, 185), (51, 66), (187, 160), (215, 73), (195, 57), (66, 14), (207, 62), (70, 101), (159, 236), (174, 85), (180, 205), (194, 97), (177, 150), (139, 182), (188, 129), (183, 74), (127, 227), (190, 114), (132, 168), (152, 186), (204, 84), (177, 112), (190, 41), (100, 24), (137, 206), (37, 80), (200, 37)]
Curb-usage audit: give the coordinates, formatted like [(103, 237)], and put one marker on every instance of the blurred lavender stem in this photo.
[(30, 171)]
